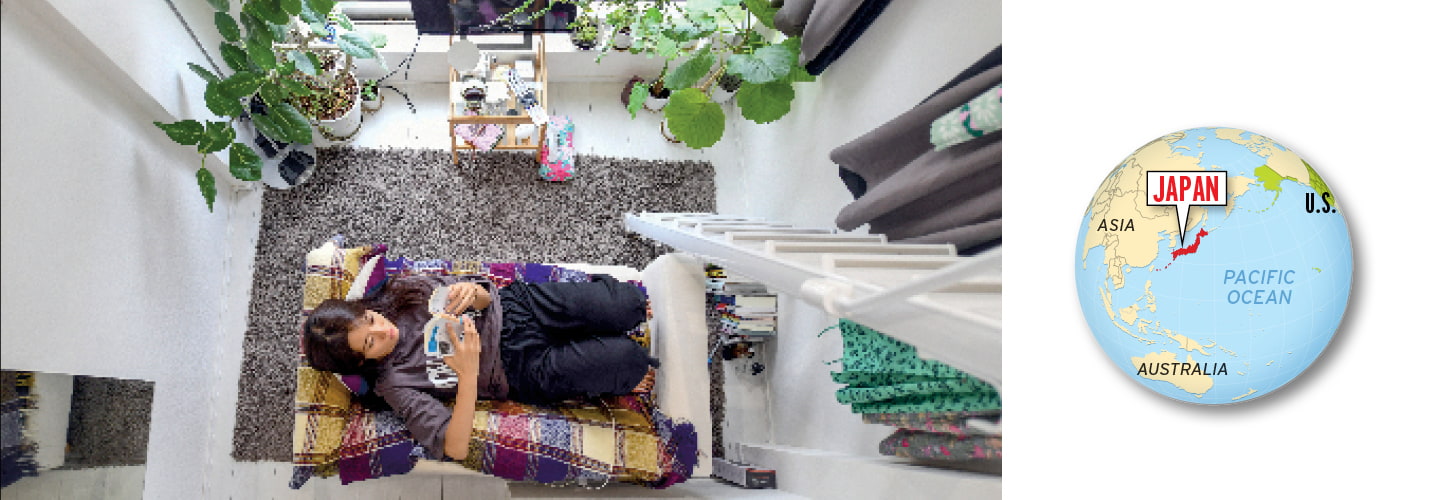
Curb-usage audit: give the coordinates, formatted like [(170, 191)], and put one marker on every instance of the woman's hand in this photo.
[(466, 360), (465, 296)]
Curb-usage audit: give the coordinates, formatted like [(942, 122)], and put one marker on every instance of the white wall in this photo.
[(910, 50), (112, 264)]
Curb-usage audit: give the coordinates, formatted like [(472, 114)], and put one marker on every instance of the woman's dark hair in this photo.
[(326, 331)]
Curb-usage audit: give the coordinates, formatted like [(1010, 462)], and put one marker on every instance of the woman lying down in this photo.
[(540, 343)]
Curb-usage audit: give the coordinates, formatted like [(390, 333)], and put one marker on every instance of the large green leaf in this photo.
[(295, 88), (666, 47), (241, 84), (305, 62), (245, 164), (260, 53), (797, 72), (204, 73), (356, 45), (256, 28), (217, 136), (234, 57), (289, 119), (206, 180), (377, 40), (694, 118), (764, 102), (762, 11), (229, 30), (341, 19), (638, 93), (185, 132), (220, 103), (688, 74), (767, 64), (220, 4), (267, 10), (291, 7), (268, 128), (271, 92), (321, 7)]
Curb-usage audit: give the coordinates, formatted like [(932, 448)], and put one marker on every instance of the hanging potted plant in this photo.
[(276, 54), (584, 32), (370, 99)]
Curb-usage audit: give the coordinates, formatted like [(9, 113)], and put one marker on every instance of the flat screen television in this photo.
[(476, 17)]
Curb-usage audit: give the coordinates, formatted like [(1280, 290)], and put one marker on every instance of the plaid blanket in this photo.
[(623, 439)]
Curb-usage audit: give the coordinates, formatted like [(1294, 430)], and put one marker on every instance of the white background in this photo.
[(1353, 91)]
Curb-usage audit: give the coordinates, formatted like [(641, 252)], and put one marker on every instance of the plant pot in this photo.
[(372, 105), (583, 44), (329, 133), (722, 96), (622, 40), (656, 104)]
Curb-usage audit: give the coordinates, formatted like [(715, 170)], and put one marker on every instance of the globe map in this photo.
[(1242, 301)]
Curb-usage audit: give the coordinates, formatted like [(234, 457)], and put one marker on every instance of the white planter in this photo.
[(338, 131), (622, 41), (656, 104), (372, 105), (721, 96)]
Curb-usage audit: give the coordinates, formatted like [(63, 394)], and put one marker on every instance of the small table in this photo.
[(458, 114)]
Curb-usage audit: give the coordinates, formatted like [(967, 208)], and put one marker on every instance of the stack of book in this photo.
[(746, 309)]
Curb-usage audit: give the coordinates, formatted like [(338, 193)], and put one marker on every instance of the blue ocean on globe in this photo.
[(1251, 297)]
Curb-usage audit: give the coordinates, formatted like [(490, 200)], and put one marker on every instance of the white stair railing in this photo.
[(947, 306)]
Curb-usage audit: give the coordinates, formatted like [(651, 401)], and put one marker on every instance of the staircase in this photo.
[(946, 305)]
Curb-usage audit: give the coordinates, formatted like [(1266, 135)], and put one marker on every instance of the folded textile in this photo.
[(884, 375), (940, 446), (958, 423), (908, 190), (557, 156), (980, 116), (855, 183)]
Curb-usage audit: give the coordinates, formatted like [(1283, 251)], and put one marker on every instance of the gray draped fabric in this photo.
[(917, 194), (828, 27)]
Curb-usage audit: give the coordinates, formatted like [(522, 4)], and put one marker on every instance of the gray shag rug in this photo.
[(494, 208), (109, 422)]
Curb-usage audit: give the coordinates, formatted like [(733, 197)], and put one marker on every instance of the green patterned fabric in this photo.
[(973, 119), (884, 375)]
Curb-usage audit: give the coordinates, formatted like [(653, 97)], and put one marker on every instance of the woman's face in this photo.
[(373, 336)]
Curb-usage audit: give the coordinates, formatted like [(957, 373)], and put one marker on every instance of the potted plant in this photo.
[(584, 32), (706, 41), (658, 94), (370, 99), (276, 56), (725, 88), (622, 39)]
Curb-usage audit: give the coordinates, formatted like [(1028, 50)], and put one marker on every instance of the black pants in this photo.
[(566, 340)]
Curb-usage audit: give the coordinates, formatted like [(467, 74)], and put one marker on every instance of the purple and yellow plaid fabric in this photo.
[(626, 439), (623, 438)]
